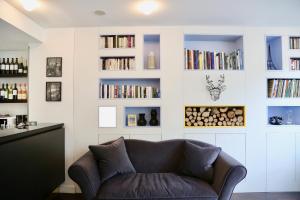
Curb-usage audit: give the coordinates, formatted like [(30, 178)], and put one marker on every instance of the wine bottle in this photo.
[(6, 92), (20, 68), (2, 92), (16, 66), (20, 92), (10, 92), (25, 69), (3, 66), (11, 66), (7, 66), (15, 92), (24, 93)]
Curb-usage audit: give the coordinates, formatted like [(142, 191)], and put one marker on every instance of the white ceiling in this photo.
[(13, 38), (75, 13)]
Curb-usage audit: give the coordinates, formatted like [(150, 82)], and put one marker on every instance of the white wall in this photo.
[(255, 146), (58, 43)]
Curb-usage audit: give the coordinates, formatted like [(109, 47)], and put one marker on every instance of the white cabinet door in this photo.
[(234, 145), (208, 138), (281, 162)]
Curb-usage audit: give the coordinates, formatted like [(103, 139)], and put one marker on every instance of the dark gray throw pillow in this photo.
[(198, 161), (112, 159)]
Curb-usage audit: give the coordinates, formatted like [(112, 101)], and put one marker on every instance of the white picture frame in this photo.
[(107, 117)]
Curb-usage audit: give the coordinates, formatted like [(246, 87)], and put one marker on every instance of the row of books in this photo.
[(109, 91), (295, 42), (295, 64), (206, 60), (117, 41), (283, 88), (118, 63)]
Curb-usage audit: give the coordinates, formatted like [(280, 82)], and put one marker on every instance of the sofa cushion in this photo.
[(112, 159), (198, 161), (155, 186)]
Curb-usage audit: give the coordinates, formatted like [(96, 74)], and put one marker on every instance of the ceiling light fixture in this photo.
[(147, 7), (30, 5)]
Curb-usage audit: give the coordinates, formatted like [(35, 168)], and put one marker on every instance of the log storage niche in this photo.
[(214, 116)]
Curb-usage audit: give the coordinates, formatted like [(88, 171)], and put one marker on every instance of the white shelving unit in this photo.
[(144, 43)]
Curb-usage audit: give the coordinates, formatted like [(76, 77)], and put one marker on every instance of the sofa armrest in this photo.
[(227, 174), (85, 173)]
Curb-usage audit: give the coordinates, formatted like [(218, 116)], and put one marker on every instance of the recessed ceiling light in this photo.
[(30, 5), (147, 7), (99, 12)]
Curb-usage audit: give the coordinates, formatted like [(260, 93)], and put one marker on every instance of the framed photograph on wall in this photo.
[(53, 91), (54, 67), (131, 120)]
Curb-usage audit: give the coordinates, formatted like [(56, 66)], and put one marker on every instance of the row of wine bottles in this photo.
[(13, 91), (13, 66)]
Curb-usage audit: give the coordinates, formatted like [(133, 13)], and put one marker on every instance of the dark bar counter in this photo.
[(32, 161)]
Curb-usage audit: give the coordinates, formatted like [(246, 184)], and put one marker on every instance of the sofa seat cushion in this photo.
[(155, 186)]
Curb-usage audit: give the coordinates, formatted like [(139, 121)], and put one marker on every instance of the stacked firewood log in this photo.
[(214, 116)]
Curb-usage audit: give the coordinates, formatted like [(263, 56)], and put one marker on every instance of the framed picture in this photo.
[(54, 67), (108, 117), (131, 120), (53, 91)]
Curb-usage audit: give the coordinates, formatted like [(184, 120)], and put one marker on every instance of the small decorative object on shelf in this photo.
[(54, 67), (215, 91), (275, 120), (283, 88), (131, 120), (289, 117), (53, 91), (151, 60), (141, 121), (208, 116), (270, 64), (13, 67), (153, 121), (294, 42), (117, 41)]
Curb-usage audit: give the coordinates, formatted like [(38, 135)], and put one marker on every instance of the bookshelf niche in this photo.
[(151, 52), (213, 52), (283, 88), (129, 88), (117, 63), (283, 115), (294, 42), (274, 52), (136, 113), (117, 41)]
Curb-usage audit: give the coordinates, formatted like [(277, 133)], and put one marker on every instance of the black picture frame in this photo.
[(53, 91), (54, 67)]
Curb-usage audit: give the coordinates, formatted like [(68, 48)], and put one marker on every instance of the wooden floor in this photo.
[(243, 196)]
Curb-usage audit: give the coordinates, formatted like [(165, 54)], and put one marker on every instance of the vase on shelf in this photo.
[(270, 64), (141, 121), (151, 60), (153, 120)]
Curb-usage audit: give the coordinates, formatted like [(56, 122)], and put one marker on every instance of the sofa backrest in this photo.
[(157, 157)]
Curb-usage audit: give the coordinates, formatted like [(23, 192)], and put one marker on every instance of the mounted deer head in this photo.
[(215, 91)]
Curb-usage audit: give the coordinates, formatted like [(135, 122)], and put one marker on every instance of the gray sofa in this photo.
[(157, 177)]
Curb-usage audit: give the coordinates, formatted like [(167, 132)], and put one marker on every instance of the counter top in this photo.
[(9, 135)]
